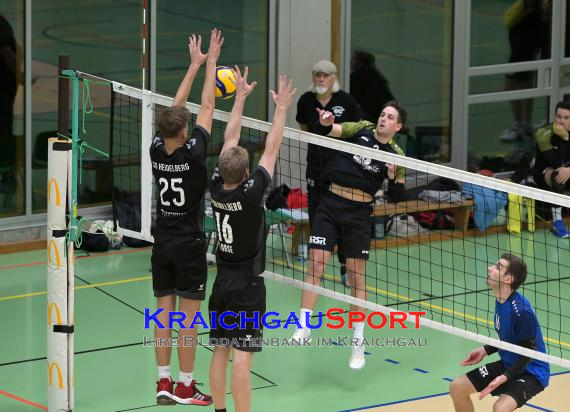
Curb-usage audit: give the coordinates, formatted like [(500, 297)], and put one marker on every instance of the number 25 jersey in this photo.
[(181, 179)]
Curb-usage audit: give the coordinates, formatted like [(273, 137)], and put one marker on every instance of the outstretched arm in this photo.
[(208, 102), (233, 129), (282, 99), (196, 60)]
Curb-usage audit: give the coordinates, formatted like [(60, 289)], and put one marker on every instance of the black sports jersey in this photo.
[(239, 216), (344, 108), (551, 150), (352, 170), (181, 181)]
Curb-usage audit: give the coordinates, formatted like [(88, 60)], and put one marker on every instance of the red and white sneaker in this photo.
[(190, 395), (164, 390)]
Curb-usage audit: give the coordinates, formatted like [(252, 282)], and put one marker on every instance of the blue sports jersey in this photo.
[(516, 322)]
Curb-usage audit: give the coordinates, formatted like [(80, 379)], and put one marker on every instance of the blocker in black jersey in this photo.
[(181, 181), (179, 251), (240, 223)]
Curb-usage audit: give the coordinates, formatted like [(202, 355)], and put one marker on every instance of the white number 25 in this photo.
[(175, 186)]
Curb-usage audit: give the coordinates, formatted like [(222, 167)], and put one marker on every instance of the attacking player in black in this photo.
[(237, 203), (346, 208), (179, 265)]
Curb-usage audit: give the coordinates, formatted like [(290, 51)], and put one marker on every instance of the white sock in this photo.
[(358, 332), (305, 314), (185, 378), (164, 372), (556, 214)]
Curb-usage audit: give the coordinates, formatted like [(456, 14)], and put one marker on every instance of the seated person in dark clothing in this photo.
[(552, 161)]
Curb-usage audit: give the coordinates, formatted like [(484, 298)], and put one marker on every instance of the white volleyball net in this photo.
[(429, 252)]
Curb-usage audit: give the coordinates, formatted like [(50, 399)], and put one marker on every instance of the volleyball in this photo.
[(225, 82)]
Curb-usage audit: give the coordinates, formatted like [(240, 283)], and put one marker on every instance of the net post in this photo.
[(59, 284), (146, 167)]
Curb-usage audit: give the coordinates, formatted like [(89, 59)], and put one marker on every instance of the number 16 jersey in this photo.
[(181, 179), (239, 217)]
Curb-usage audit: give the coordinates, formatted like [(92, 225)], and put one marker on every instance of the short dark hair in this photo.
[(402, 112), (232, 164), (562, 105), (172, 120), (517, 268)]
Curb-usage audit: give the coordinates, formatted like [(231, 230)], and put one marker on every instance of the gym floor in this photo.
[(115, 372)]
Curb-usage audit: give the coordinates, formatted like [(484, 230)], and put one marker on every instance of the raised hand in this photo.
[(195, 48), (325, 118), (285, 93), (474, 357), (216, 42), (243, 88)]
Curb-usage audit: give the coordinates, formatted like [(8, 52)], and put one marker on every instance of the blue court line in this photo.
[(538, 407), (421, 370), (447, 379), (392, 361)]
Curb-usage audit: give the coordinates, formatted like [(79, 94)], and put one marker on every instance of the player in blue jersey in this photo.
[(514, 378)]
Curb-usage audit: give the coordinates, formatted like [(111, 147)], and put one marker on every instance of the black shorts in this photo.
[(237, 294), (338, 219), (540, 180), (315, 193), (179, 266), (521, 387)]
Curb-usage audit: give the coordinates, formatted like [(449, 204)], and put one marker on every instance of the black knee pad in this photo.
[(554, 185)]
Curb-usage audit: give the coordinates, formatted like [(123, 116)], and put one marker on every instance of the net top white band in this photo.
[(337, 144)]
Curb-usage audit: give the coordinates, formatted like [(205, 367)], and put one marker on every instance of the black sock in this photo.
[(221, 410)]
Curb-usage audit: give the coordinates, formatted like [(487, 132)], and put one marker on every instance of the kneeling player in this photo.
[(514, 378)]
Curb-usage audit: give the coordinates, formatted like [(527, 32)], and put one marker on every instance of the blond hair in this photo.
[(232, 165)]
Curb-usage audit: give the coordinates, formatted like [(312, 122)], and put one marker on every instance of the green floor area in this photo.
[(115, 372)]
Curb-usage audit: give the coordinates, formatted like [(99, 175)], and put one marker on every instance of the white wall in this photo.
[(303, 37)]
